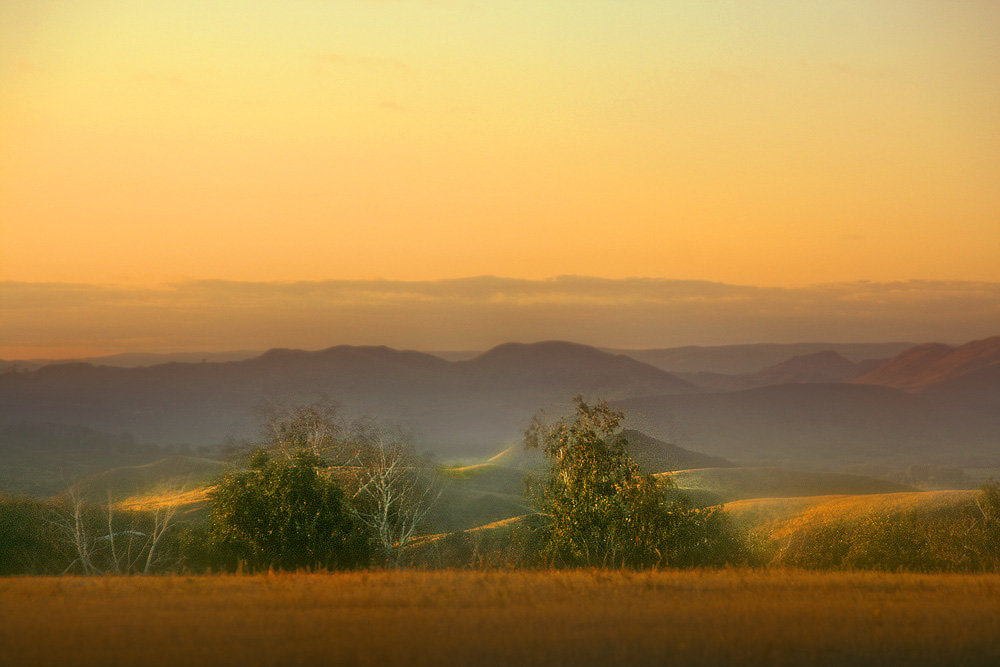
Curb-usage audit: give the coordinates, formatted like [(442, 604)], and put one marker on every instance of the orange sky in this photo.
[(778, 143)]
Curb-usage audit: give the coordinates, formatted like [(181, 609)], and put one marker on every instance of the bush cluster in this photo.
[(280, 514)]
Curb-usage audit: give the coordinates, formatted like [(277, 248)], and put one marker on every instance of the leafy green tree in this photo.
[(602, 511), (286, 513)]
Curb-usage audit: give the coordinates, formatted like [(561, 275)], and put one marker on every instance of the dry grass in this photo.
[(781, 516), (186, 501), (501, 618), (497, 526)]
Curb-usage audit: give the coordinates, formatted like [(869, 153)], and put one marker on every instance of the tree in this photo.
[(602, 511), (314, 427), (286, 514), (125, 542), (393, 489), (387, 489)]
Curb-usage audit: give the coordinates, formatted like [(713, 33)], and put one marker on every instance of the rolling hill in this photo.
[(825, 425), (724, 485), (652, 455), (495, 489), (170, 476), (783, 514), (42, 459), (818, 367)]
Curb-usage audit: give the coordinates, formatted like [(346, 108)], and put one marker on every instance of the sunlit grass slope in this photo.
[(478, 494), (186, 501), (708, 486), (503, 618), (169, 475), (782, 516)]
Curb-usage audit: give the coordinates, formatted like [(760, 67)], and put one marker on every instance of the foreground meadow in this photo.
[(590, 617)]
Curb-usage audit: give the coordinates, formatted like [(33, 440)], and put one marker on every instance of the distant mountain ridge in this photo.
[(924, 365), (822, 408), (825, 366), (755, 357), (728, 359), (132, 359), (476, 403)]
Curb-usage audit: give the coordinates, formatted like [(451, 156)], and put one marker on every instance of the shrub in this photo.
[(30, 542), (284, 514)]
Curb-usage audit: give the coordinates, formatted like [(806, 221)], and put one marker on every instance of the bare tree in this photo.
[(124, 548), (315, 427), (394, 489), (391, 488), (163, 518), (72, 523)]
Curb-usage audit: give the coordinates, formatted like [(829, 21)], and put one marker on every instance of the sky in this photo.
[(777, 145), (53, 321)]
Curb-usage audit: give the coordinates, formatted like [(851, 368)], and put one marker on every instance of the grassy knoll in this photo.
[(500, 618), (719, 485), (169, 474), (781, 516), (917, 531)]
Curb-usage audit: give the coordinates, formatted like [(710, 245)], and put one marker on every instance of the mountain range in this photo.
[(455, 407), (827, 408)]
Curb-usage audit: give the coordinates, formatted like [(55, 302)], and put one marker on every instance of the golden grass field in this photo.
[(781, 516), (738, 617)]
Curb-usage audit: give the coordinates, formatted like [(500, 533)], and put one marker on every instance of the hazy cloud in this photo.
[(42, 318)]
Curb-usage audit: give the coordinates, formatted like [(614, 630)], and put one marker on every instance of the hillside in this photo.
[(559, 364), (495, 490), (782, 518), (466, 409), (819, 367), (132, 359), (925, 365), (652, 455), (826, 425), (170, 476), (43, 459), (656, 456), (826, 366), (723, 485)]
